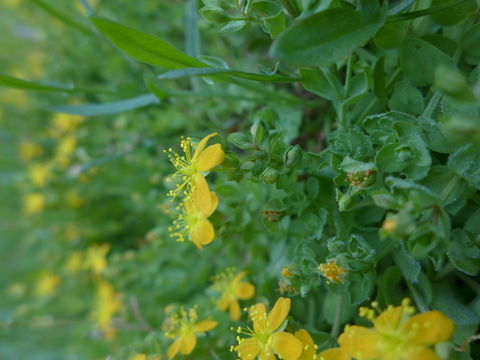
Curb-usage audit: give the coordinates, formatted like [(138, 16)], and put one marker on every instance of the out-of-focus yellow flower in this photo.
[(29, 150), (33, 203), (191, 166), (232, 288), (95, 258), (14, 97), (107, 304), (145, 357), (184, 327), (64, 149), (46, 284), (74, 262), (74, 200), (65, 123), (389, 225), (266, 340), (396, 335), (286, 272), (39, 173), (332, 271), (193, 223)]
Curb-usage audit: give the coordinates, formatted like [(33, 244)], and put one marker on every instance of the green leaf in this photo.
[(11, 82), (391, 35), (469, 44), (419, 59), (358, 87), (454, 14), (406, 98), (464, 252), (393, 157), (444, 300), (409, 267), (324, 38), (464, 161), (210, 71), (107, 108), (145, 47), (322, 83)]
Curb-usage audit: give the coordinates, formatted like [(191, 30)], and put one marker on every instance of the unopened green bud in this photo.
[(269, 176), (214, 14), (259, 131), (293, 156)]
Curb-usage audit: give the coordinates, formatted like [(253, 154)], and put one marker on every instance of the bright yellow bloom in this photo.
[(33, 203), (29, 150), (39, 173), (309, 349), (191, 166), (332, 271), (107, 304), (73, 199), (266, 339), (193, 223), (184, 327), (232, 288), (95, 258), (397, 335), (47, 283)]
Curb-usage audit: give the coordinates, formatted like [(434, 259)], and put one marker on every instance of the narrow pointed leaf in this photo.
[(187, 72), (11, 82)]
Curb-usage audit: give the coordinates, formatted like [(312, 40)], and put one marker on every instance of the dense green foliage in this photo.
[(351, 131)]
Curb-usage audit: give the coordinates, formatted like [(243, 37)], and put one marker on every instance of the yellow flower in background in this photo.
[(193, 223), (332, 271), (46, 284), (397, 335), (74, 200), (39, 173), (29, 150), (33, 203), (232, 288), (191, 166), (140, 357), (184, 328), (14, 97), (65, 123), (95, 259), (65, 147), (75, 262), (107, 304), (266, 339)]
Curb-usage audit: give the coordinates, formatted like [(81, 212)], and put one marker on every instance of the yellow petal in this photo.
[(361, 342), (212, 156), (188, 343), (308, 344), (201, 145), (248, 349), (279, 313), (429, 328), (214, 204), (234, 310), (258, 315), (223, 304), (203, 234), (202, 196), (332, 354), (173, 349), (423, 354), (245, 290), (286, 345), (204, 325), (389, 319)]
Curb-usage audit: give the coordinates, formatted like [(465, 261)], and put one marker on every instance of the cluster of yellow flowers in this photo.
[(198, 203)]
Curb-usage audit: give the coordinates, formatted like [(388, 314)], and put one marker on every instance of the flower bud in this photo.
[(269, 176), (293, 156)]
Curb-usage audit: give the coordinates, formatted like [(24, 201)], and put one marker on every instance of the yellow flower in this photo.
[(266, 339), (73, 199), (140, 357), (47, 283), (107, 303), (29, 150), (191, 166), (309, 349), (232, 288), (65, 123), (332, 271), (33, 203), (39, 173), (64, 149), (184, 327), (397, 335), (193, 223), (95, 258), (286, 272), (389, 225), (74, 262)]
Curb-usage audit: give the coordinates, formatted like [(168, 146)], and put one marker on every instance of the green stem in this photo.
[(421, 305), (424, 12), (470, 282), (432, 105), (449, 187), (338, 316), (311, 312)]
